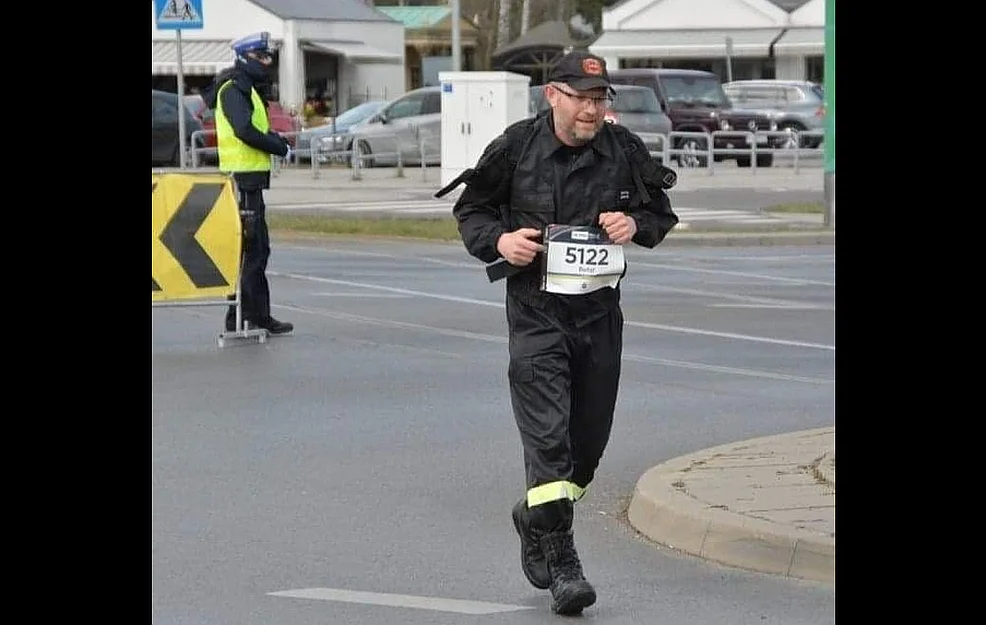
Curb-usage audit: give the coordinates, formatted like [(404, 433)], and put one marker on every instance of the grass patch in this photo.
[(796, 207), (442, 229)]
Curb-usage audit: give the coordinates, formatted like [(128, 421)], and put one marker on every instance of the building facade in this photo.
[(736, 39), (344, 51), (428, 41)]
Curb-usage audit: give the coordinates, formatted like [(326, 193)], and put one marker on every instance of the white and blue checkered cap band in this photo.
[(256, 41)]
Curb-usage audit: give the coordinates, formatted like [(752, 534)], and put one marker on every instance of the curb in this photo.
[(668, 516)]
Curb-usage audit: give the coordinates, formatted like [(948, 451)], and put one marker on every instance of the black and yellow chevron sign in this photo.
[(195, 237)]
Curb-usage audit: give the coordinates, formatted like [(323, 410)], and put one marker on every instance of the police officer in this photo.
[(246, 142), (571, 201)]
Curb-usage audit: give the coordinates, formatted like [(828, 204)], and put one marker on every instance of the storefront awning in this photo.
[(808, 41), (684, 44), (199, 58), (355, 51)]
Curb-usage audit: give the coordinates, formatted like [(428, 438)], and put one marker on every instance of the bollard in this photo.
[(400, 160), (356, 160), (313, 153), (424, 166)]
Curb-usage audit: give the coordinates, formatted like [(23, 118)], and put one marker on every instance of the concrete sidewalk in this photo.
[(766, 504)]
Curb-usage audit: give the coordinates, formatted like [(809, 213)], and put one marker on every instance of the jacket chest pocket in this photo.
[(531, 209), (616, 198)]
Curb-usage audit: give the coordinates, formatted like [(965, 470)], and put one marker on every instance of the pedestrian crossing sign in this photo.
[(178, 14)]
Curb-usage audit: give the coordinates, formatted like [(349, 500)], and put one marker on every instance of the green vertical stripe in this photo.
[(829, 86)]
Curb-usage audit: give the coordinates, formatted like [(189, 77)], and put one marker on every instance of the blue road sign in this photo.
[(178, 14)]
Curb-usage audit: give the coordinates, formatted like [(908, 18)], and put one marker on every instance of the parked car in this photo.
[(338, 129), (696, 102), (401, 125), (280, 120), (165, 146), (635, 107), (793, 104)]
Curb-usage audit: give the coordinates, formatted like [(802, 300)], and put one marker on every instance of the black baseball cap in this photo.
[(581, 70)]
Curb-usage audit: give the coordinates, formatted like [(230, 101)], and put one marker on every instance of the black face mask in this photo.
[(257, 71)]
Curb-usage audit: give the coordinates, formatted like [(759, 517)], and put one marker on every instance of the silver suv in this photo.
[(793, 104)]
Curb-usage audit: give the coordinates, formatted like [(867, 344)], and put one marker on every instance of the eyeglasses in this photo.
[(602, 102)]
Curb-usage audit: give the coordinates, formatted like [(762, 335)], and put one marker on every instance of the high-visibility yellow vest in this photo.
[(234, 155)]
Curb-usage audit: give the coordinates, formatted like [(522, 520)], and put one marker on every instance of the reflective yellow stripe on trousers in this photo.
[(553, 491)]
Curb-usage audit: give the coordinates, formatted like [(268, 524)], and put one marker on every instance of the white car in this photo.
[(410, 123), (335, 136)]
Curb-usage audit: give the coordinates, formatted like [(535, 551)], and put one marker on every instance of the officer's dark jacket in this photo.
[(238, 107), (551, 186)]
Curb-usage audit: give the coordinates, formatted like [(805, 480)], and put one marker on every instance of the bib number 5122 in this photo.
[(586, 256)]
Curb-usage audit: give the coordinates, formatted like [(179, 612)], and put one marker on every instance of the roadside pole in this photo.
[(177, 15), (829, 181)]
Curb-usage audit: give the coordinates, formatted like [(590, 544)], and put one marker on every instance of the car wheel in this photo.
[(790, 142), (364, 149), (695, 152)]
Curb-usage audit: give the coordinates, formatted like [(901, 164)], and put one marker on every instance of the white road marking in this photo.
[(359, 294), (751, 301), (724, 272), (436, 604), (423, 207), (490, 338), (773, 306), (479, 302)]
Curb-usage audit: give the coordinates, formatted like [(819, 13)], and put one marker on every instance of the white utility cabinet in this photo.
[(476, 107)]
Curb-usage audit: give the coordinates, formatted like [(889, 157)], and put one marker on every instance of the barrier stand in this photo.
[(356, 160), (196, 246)]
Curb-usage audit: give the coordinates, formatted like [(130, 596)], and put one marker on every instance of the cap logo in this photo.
[(592, 67)]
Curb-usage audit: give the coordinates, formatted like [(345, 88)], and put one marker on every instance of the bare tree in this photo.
[(503, 25), (525, 17)]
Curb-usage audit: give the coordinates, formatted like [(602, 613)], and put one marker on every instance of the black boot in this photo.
[(570, 592), (532, 560), (274, 326)]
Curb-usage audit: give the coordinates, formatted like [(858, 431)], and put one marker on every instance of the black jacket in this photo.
[(237, 105), (551, 183)]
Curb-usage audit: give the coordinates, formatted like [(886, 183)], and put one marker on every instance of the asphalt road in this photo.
[(361, 471)]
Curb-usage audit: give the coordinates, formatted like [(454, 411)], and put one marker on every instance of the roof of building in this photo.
[(335, 10), (551, 33), (788, 5), (418, 17)]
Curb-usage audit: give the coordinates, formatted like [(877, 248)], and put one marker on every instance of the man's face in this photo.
[(261, 55), (578, 114)]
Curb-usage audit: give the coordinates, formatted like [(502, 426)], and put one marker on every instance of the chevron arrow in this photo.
[(178, 235)]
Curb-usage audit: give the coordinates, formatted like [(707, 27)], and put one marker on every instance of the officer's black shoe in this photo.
[(532, 560), (274, 326), (570, 592)]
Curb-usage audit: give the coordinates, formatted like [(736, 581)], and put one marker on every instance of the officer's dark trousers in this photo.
[(564, 376), (256, 251)]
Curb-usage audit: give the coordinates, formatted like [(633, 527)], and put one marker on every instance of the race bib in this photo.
[(579, 259)]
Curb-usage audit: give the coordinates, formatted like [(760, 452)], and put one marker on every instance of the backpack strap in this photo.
[(643, 168)]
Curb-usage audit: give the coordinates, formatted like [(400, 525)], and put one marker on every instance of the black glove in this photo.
[(280, 140)]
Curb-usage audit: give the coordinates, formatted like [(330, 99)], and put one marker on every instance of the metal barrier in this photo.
[(357, 156), (689, 152), (756, 143), (672, 147)]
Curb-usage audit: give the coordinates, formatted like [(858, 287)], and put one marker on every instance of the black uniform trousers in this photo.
[(564, 374), (254, 288)]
